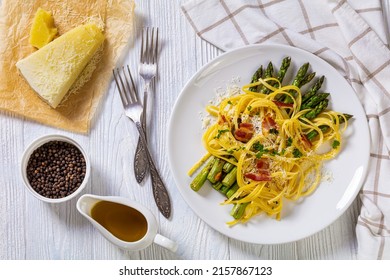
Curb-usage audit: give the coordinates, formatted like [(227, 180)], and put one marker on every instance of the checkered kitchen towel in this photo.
[(350, 35)]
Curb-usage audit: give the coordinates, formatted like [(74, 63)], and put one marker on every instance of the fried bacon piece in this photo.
[(306, 142), (262, 164), (281, 104), (269, 123), (261, 176), (244, 132), (262, 173), (222, 119)]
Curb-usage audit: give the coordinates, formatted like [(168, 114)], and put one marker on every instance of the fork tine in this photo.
[(132, 88), (156, 47), (153, 46), (145, 45), (142, 55), (118, 82), (126, 86), (125, 90), (149, 45)]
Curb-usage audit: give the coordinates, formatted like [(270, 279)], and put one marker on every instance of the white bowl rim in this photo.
[(39, 142)]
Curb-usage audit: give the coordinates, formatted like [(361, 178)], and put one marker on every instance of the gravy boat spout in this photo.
[(86, 203)]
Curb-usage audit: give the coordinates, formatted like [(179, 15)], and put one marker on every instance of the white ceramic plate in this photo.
[(318, 210)]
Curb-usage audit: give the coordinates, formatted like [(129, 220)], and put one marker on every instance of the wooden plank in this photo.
[(30, 229)]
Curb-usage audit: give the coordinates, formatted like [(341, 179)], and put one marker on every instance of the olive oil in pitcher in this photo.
[(124, 222)]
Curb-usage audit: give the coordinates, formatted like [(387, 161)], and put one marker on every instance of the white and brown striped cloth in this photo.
[(351, 36)]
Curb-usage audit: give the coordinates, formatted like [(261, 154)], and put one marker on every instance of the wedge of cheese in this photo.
[(52, 70), (43, 29)]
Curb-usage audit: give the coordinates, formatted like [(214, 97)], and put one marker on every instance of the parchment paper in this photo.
[(76, 112)]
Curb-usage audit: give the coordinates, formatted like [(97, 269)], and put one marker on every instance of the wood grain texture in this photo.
[(30, 229)]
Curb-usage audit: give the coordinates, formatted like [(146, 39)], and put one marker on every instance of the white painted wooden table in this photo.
[(30, 229)]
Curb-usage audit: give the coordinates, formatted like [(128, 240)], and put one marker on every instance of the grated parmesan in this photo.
[(326, 176), (231, 89)]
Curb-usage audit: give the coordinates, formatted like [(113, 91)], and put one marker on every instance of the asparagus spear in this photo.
[(307, 79), (347, 116), (298, 79), (199, 180), (314, 100), (217, 186), (227, 167), (312, 134), (224, 189), (269, 71), (230, 178), (267, 74), (232, 190), (317, 109), (300, 75), (259, 87), (283, 68), (313, 90), (238, 210), (260, 73), (215, 173), (256, 76)]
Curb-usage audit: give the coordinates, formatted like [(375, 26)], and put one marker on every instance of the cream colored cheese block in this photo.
[(52, 70)]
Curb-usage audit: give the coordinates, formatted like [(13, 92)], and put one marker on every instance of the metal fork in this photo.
[(133, 110), (147, 70)]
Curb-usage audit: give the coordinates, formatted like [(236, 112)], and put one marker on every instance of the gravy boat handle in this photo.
[(165, 242)]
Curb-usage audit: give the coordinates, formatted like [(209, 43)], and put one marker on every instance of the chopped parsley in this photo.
[(220, 132), (335, 144), (297, 153), (289, 141), (230, 103), (232, 150), (259, 154), (274, 131), (258, 146), (249, 108)]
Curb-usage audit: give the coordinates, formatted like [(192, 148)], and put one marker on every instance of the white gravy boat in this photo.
[(85, 204)]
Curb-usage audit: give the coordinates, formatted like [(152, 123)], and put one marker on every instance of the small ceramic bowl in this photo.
[(35, 145)]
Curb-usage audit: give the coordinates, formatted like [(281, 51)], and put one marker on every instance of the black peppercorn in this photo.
[(51, 169)]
